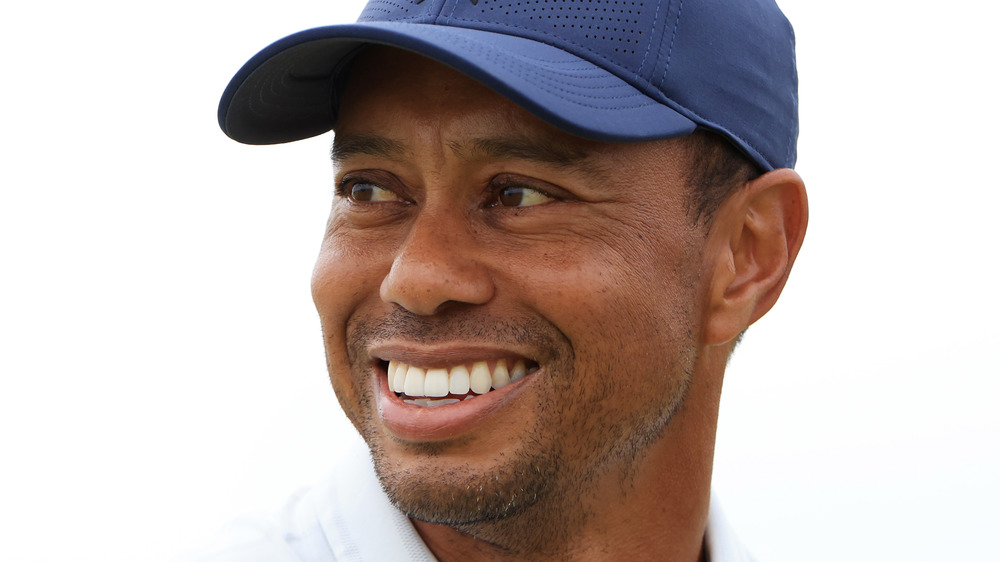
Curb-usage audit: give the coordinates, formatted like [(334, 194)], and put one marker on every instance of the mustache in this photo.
[(400, 324)]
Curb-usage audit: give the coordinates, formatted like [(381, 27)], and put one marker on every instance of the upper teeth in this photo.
[(458, 380)]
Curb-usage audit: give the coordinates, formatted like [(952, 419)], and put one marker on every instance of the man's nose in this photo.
[(437, 264)]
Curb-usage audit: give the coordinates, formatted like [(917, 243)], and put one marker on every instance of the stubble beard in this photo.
[(524, 505), (467, 499), (532, 500)]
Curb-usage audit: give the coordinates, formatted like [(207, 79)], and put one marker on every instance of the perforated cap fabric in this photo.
[(612, 70)]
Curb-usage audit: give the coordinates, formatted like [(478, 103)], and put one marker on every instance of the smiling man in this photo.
[(553, 221)]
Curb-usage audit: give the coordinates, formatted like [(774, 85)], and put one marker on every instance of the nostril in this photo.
[(430, 272)]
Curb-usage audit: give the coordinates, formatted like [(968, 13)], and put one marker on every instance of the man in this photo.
[(553, 221)]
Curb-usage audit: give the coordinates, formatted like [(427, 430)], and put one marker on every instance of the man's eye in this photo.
[(521, 197), (369, 192)]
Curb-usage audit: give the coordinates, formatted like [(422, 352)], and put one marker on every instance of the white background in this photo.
[(162, 366)]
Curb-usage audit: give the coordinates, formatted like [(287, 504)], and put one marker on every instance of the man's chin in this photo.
[(462, 495)]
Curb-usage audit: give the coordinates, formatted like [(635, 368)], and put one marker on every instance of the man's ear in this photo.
[(755, 235)]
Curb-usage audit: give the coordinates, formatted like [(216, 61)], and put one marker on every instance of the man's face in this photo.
[(465, 231)]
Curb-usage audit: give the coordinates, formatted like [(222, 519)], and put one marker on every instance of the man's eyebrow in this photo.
[(543, 150), (345, 146)]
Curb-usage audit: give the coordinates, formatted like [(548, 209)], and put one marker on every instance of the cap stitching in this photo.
[(397, 19), (670, 50), (550, 88), (377, 6), (649, 44), (454, 6), (604, 87)]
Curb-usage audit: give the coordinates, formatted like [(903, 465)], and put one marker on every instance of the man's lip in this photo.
[(415, 423), (444, 355)]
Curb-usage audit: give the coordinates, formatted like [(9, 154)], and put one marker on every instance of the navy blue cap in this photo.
[(611, 70)]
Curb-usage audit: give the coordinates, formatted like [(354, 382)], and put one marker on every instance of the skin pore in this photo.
[(465, 229)]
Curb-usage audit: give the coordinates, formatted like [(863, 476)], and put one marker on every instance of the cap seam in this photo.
[(649, 44), (399, 19), (396, 5), (670, 49), (553, 88), (450, 16), (441, 9)]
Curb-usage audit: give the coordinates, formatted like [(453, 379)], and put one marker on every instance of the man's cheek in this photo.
[(348, 380), (342, 280)]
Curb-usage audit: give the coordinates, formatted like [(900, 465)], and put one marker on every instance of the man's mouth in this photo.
[(442, 386)]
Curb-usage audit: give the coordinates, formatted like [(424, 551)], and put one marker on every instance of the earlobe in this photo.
[(755, 237)]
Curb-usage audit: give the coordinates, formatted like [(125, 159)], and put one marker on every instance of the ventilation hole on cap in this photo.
[(612, 19)]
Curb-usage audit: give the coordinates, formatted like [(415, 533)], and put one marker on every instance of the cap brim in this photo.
[(286, 91)]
